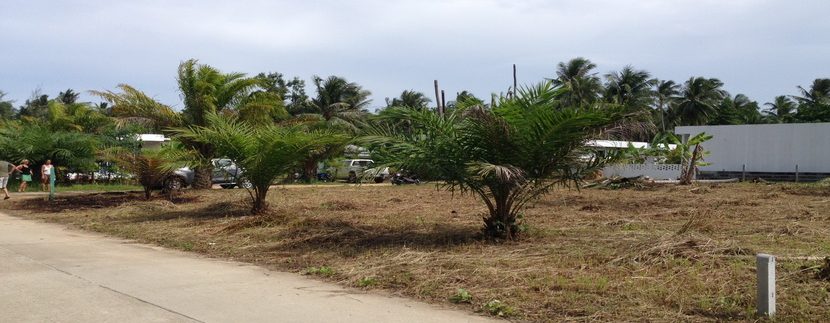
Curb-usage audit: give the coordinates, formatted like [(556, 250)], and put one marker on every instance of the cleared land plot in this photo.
[(663, 253)]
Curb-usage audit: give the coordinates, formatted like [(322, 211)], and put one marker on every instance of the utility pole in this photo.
[(443, 103), (438, 100), (515, 81)]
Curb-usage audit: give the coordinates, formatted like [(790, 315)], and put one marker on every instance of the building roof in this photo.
[(617, 144), (152, 137)]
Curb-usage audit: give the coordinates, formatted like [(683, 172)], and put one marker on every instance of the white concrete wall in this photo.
[(654, 171), (766, 148)]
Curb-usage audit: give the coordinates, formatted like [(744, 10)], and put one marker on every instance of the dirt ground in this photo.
[(664, 253)]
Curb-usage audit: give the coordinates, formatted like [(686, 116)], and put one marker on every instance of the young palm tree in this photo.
[(264, 152), (149, 166), (36, 142), (507, 155), (699, 100), (781, 110), (577, 78)]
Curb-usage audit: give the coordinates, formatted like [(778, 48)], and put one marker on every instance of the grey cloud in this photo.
[(761, 48)]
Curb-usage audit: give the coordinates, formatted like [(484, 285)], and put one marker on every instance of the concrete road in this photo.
[(52, 274)]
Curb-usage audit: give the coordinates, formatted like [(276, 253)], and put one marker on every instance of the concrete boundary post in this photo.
[(765, 265), (796, 173), (743, 173)]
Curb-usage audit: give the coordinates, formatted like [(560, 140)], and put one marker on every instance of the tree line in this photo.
[(507, 151)]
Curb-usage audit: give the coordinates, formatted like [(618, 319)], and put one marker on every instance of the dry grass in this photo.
[(664, 253)]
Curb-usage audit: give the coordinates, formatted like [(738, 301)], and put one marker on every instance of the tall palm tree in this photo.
[(339, 100), (737, 110), (68, 97), (814, 103), (818, 93), (781, 110), (699, 100), (630, 88), (665, 94), (410, 99), (582, 84)]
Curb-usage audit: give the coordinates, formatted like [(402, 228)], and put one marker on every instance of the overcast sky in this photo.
[(757, 47)]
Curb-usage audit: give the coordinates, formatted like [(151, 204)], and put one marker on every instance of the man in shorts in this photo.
[(6, 168)]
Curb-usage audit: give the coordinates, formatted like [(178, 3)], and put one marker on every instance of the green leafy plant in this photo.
[(497, 308), (461, 296), (320, 271), (366, 282)]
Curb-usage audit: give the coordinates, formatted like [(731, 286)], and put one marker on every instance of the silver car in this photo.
[(225, 173)]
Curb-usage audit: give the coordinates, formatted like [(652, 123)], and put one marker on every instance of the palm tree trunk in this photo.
[(260, 204), (501, 223), (147, 192), (310, 169), (202, 177)]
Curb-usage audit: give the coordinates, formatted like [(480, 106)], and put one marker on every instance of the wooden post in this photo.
[(765, 269), (437, 100)]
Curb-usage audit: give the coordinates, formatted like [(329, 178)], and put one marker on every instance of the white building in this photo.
[(770, 151), (151, 140)]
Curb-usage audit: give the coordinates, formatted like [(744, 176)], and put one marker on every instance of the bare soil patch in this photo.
[(665, 253)]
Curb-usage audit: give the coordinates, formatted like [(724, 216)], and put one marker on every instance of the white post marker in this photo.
[(765, 265)]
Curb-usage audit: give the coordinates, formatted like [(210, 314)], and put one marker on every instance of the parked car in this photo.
[(225, 173), (355, 170)]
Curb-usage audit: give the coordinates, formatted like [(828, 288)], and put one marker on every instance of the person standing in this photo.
[(6, 169), (25, 175), (45, 171)]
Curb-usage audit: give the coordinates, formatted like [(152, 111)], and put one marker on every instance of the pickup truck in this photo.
[(356, 170)]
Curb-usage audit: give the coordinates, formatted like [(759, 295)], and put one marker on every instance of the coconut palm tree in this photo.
[(814, 103), (581, 83), (630, 88), (265, 152), (737, 110), (68, 97), (339, 101), (409, 99), (507, 155), (781, 110), (698, 101), (665, 94)]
